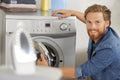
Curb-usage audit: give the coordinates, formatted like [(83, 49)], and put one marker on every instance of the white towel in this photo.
[(18, 7), (20, 1)]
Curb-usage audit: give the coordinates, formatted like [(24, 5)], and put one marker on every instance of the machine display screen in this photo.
[(47, 25)]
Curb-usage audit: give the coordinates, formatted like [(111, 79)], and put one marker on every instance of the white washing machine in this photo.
[(58, 36)]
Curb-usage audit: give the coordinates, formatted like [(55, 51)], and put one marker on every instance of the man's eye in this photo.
[(97, 21), (88, 22)]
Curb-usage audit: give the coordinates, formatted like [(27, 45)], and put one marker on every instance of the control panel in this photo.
[(50, 26)]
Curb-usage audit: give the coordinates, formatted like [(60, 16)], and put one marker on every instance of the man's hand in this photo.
[(42, 61), (64, 13)]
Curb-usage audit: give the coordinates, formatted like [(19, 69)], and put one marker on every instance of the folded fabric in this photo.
[(20, 1), (18, 7)]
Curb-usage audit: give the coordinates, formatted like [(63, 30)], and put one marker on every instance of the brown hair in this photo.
[(99, 8)]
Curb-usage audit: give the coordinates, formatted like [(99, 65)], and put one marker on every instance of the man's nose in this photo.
[(93, 26)]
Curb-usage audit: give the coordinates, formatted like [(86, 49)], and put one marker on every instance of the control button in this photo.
[(37, 30), (63, 27)]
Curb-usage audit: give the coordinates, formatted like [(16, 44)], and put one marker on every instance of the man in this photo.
[(103, 49)]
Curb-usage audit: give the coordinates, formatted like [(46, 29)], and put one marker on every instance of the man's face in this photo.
[(96, 25)]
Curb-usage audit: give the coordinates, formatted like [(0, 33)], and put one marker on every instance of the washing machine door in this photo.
[(54, 52), (41, 49)]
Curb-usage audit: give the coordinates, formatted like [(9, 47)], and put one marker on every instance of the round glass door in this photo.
[(54, 51)]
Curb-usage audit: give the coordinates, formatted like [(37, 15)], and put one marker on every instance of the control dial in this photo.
[(63, 27)]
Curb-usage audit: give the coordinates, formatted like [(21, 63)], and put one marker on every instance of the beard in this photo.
[(95, 35)]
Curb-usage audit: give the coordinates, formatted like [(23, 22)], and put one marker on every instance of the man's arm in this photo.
[(67, 13), (68, 72)]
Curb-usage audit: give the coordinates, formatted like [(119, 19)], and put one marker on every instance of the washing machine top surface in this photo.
[(33, 15)]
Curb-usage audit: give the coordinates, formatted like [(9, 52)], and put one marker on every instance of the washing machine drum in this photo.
[(47, 51)]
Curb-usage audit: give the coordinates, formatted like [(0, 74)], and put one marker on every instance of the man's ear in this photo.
[(107, 23)]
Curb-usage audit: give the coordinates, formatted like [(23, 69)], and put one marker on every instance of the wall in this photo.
[(82, 37)]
